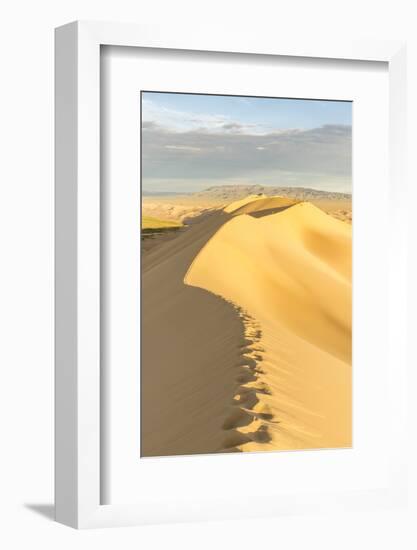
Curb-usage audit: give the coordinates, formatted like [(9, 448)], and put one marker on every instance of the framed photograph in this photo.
[(230, 224)]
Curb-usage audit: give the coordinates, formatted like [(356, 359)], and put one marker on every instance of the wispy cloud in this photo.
[(174, 120)]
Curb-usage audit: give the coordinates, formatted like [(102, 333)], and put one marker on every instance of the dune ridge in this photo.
[(252, 305), (255, 204)]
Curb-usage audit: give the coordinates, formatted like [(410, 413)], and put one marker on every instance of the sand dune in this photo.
[(253, 352), (240, 203), (259, 204), (175, 209)]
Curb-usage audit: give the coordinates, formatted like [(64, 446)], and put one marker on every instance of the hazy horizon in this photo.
[(170, 191), (191, 142)]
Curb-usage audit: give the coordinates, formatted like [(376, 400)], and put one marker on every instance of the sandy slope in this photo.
[(271, 371), (291, 274), (191, 344)]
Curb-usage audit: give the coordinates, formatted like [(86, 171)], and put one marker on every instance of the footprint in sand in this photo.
[(247, 403), (238, 419), (247, 399)]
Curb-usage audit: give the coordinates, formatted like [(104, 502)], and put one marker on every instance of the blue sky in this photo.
[(269, 113), (190, 142)]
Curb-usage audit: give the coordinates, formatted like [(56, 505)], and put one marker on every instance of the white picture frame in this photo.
[(78, 406)]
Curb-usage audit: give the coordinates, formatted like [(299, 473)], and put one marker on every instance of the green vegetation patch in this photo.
[(153, 225)]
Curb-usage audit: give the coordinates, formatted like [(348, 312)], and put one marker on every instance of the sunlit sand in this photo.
[(246, 339)]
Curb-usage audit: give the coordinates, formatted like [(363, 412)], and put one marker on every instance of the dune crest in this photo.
[(288, 273), (262, 206), (233, 206)]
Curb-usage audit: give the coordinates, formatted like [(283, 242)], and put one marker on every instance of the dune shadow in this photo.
[(269, 211)]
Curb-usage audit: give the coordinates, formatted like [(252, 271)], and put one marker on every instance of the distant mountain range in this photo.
[(146, 193), (235, 192)]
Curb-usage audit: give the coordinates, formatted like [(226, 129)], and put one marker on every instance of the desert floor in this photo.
[(246, 336)]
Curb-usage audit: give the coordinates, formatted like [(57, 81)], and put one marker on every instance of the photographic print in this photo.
[(246, 259)]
